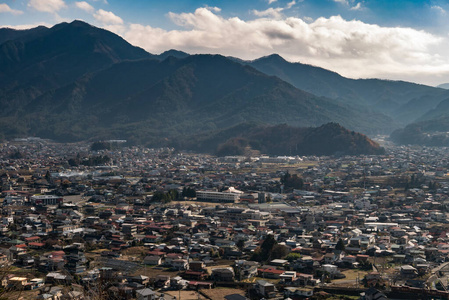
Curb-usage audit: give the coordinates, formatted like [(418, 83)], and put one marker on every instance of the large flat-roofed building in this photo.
[(46, 200), (212, 196)]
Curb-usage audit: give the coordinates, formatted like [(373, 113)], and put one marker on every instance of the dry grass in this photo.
[(220, 293), (186, 295), (139, 251), (352, 274), (152, 272), (22, 295)]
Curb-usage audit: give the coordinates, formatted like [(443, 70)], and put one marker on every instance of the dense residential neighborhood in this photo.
[(117, 222)]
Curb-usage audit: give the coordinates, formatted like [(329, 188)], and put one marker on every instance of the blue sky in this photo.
[(400, 40)]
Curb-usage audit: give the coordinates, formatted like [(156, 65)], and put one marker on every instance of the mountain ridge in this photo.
[(75, 81)]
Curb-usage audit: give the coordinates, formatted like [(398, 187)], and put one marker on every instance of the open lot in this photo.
[(186, 295), (220, 293), (152, 272)]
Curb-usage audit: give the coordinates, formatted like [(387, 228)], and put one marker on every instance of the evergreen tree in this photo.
[(340, 245)]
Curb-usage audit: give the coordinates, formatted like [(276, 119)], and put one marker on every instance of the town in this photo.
[(109, 221)]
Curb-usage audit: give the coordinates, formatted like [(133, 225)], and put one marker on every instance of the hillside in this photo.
[(403, 101), (328, 139), (75, 82), (425, 133), (39, 60), (161, 100)]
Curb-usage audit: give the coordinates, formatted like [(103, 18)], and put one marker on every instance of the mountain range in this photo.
[(76, 82)]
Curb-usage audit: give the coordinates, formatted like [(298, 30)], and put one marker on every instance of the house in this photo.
[(53, 293), (305, 279), (35, 283), (180, 264), (265, 288), (197, 266), (17, 282), (222, 274), (194, 285), (178, 283), (141, 279), (372, 278), (408, 271), (331, 269), (279, 262), (288, 276), (146, 294), (162, 281), (246, 269), (270, 273), (171, 257), (152, 260), (197, 275), (57, 278)]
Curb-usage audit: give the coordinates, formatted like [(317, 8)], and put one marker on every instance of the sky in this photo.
[(388, 39)]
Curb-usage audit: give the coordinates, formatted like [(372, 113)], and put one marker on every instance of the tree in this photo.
[(265, 250), (340, 245), (188, 192), (240, 244), (278, 251), (291, 182), (293, 256)]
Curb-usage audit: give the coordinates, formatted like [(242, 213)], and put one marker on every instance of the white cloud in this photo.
[(290, 4), (345, 2), (352, 48), (50, 6), (4, 8), (85, 6), (107, 17), (438, 9), (308, 19), (358, 6), (26, 26), (272, 1), (213, 8), (275, 13)]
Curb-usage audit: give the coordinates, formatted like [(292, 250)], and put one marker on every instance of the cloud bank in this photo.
[(4, 8), (50, 6), (352, 48), (83, 5), (107, 17)]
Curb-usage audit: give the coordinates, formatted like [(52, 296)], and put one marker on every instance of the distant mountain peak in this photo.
[(272, 57), (172, 52), (444, 86)]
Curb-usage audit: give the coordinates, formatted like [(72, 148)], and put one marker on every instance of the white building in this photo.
[(230, 196)]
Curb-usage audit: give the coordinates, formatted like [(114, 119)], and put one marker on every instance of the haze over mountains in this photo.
[(75, 82)]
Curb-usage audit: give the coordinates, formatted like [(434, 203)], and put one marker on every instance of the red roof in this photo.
[(190, 272), (156, 252), (272, 271), (35, 244), (199, 283)]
